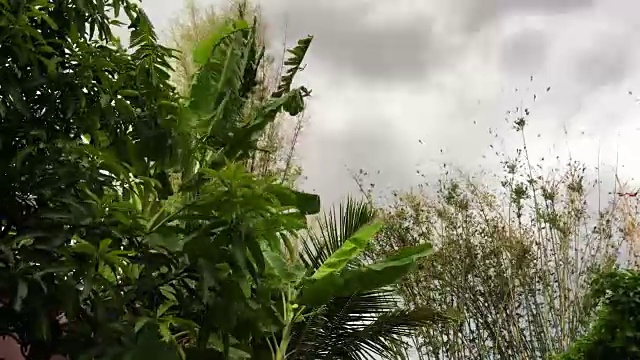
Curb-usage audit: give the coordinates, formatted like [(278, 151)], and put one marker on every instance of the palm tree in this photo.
[(364, 325)]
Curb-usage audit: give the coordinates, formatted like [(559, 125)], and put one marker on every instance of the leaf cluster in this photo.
[(615, 331), (129, 225)]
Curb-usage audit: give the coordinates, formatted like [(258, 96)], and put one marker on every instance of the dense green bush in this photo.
[(615, 332), (127, 225), (130, 226)]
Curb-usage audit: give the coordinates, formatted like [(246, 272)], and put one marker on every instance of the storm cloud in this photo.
[(352, 42), (401, 86)]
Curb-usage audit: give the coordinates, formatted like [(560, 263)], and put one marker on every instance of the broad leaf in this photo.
[(203, 50), (307, 204), (353, 247), (369, 277), (284, 271)]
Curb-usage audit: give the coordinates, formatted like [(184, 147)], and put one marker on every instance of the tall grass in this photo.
[(515, 262)]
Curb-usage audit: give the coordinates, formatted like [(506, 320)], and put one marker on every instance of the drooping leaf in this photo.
[(294, 64), (284, 271), (22, 290)]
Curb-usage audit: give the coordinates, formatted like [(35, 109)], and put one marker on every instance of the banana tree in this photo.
[(340, 306), (221, 220)]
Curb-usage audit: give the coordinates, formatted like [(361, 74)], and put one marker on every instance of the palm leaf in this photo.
[(219, 95), (334, 228), (360, 326), (317, 291), (354, 324), (217, 85)]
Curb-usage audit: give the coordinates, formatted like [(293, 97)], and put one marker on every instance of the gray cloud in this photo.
[(553, 6), (474, 14), (525, 52), (387, 72), (370, 143), (352, 45), (607, 60)]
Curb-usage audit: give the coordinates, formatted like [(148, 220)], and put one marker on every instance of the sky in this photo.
[(402, 86)]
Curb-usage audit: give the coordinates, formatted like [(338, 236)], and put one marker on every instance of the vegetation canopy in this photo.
[(131, 226)]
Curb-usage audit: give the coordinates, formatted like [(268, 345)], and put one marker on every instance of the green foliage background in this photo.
[(131, 226)]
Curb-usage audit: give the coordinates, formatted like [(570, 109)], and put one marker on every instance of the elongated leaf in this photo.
[(245, 138), (308, 204), (21, 293), (294, 64), (218, 93), (205, 47), (369, 277), (351, 248)]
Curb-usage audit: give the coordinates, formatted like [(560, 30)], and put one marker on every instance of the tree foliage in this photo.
[(92, 226), (360, 317), (615, 332), (192, 31), (130, 225), (515, 261)]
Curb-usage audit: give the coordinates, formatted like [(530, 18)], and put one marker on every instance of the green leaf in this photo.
[(21, 293), (169, 293), (51, 23), (348, 282), (150, 345), (351, 248), (294, 64), (165, 239), (204, 48), (141, 322), (124, 108), (307, 204), (164, 307), (116, 8), (128, 93), (283, 271), (84, 248), (256, 253)]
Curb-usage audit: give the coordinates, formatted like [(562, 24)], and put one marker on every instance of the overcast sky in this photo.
[(406, 85)]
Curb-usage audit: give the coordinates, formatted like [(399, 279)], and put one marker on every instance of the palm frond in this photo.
[(390, 331), (334, 228), (362, 326)]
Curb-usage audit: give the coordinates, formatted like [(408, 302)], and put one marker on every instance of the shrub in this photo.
[(615, 332)]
